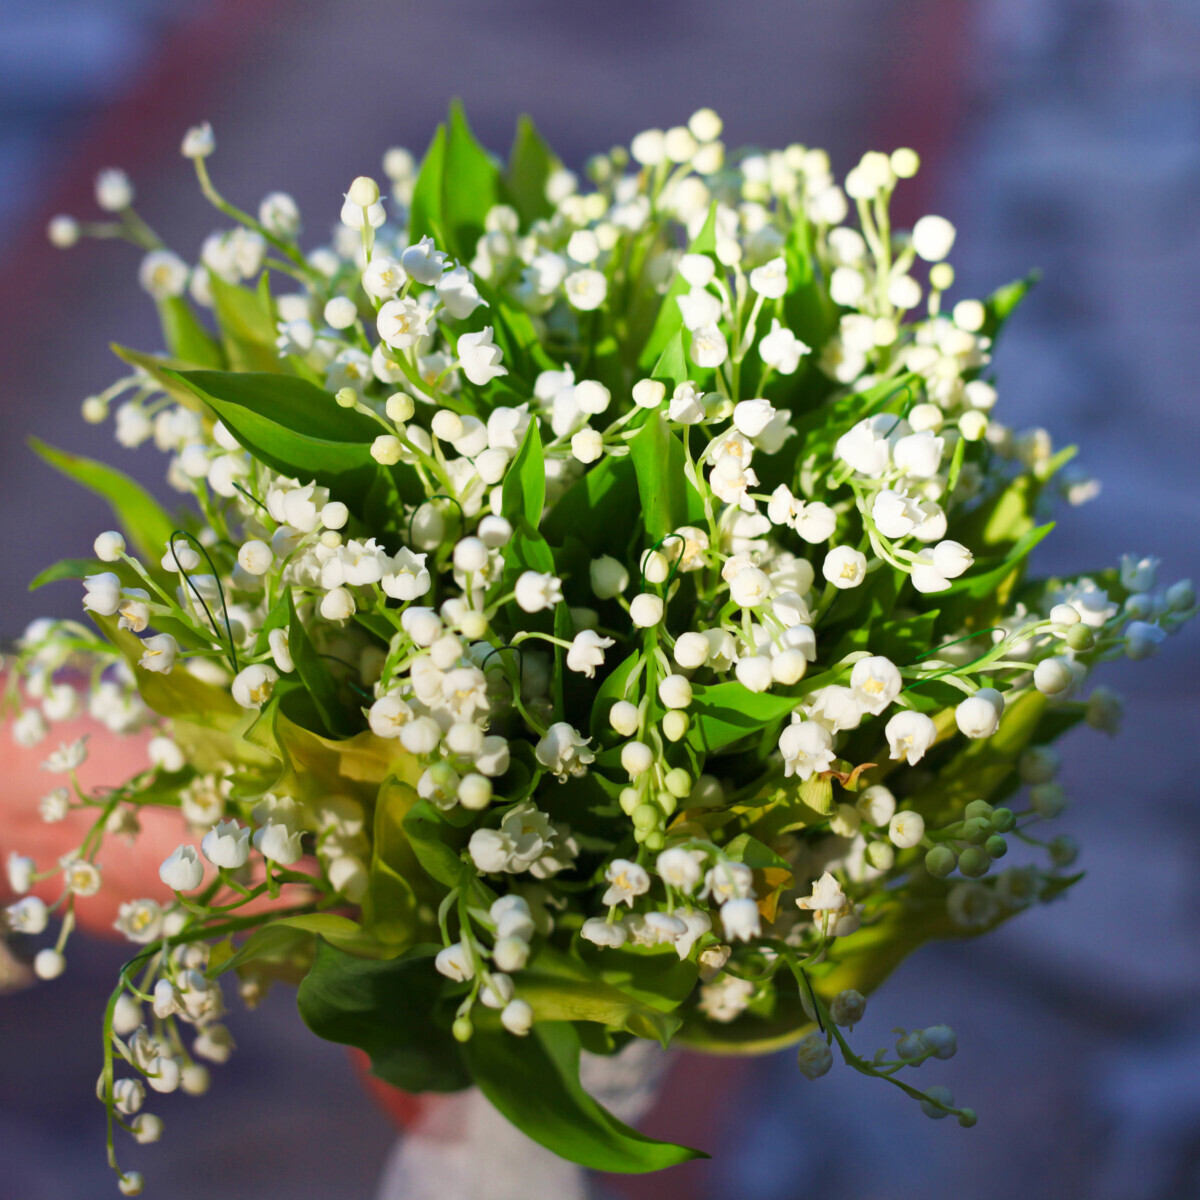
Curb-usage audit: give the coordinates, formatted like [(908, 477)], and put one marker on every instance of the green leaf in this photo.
[(285, 932), (807, 309), (980, 584), (247, 326), (293, 427), (672, 365), (425, 212), (1003, 302), (668, 499), (185, 338), (654, 975), (435, 842), (670, 320), (159, 369), (534, 1082), (67, 568), (559, 987), (525, 481), (390, 905), (145, 522), (394, 1010), (471, 185), (724, 713), (317, 678), (596, 506), (531, 162)]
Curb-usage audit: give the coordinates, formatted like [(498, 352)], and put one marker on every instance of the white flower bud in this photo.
[(255, 557), (649, 393), (636, 758), (364, 192), (517, 1017), (109, 546), (906, 829), (691, 650), (182, 870), (1051, 676), (675, 692), (814, 1056), (754, 672), (646, 609), (608, 577), (933, 238), (623, 717)]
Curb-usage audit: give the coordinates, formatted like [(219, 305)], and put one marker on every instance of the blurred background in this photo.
[(1061, 134)]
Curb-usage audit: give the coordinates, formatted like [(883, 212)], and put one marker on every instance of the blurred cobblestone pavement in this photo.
[(1074, 145)]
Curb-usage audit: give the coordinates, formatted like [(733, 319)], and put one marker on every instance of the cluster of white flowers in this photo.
[(661, 717)]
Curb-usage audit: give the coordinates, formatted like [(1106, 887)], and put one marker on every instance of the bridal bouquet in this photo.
[(601, 610)]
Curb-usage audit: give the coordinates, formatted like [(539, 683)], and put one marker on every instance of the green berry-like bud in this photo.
[(679, 782), (1063, 851), (347, 397), (977, 830), (646, 817), (667, 802), (978, 809), (996, 846), (630, 799), (974, 862), (967, 1118), (462, 1029), (1080, 637), (940, 861), (1004, 820), (655, 841)]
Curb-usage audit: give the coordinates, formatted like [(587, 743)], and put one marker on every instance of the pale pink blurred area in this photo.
[(1061, 134), (129, 867)]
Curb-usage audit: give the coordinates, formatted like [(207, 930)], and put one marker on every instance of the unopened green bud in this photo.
[(655, 841), (679, 782), (667, 802), (462, 1029), (346, 397), (1004, 820), (630, 798), (645, 816), (977, 808), (977, 830), (974, 862), (1063, 851), (1080, 637), (940, 861), (996, 846), (967, 1118)]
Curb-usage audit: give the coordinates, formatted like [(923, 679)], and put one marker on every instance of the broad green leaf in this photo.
[(247, 326), (668, 499), (425, 212), (318, 679), (145, 522), (68, 568), (293, 427), (287, 933), (435, 842), (561, 988), (471, 185), (724, 713), (654, 975), (392, 1009), (531, 162), (670, 320), (178, 693), (185, 338), (534, 1082), (596, 507), (525, 481), (610, 691), (807, 309), (160, 370), (672, 365), (390, 905)]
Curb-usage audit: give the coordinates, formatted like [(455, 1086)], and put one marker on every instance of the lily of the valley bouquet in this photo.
[(600, 611)]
